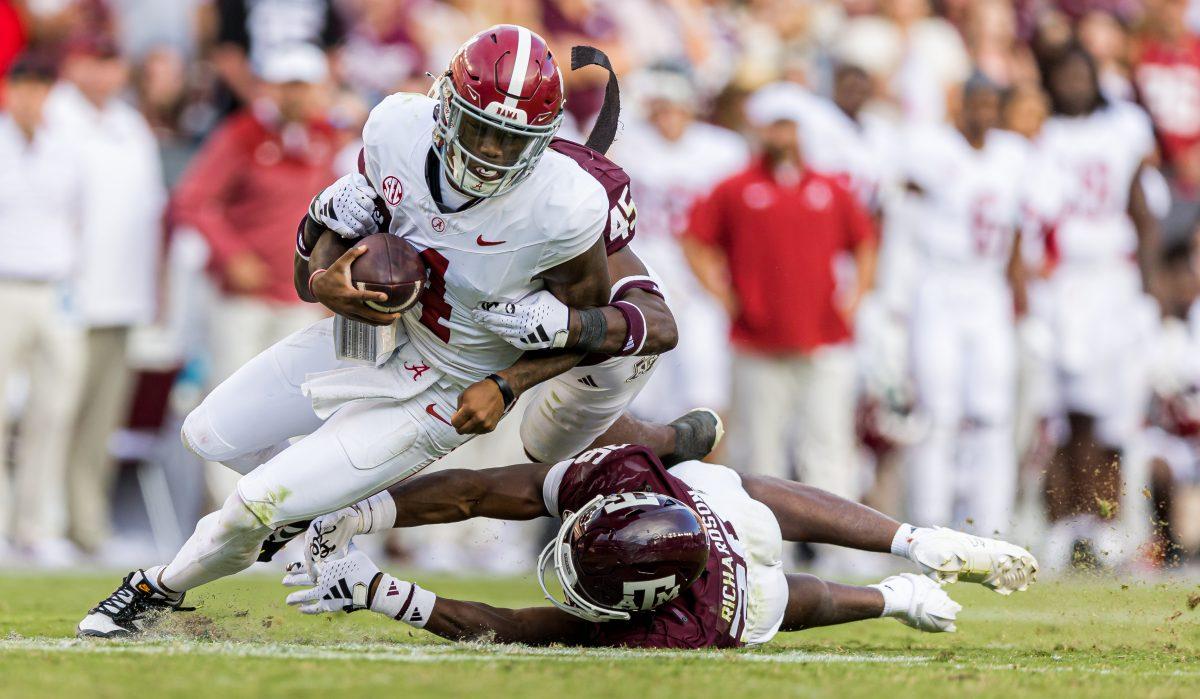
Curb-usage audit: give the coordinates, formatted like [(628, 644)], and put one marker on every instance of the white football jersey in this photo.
[(1095, 158), (491, 251), (971, 200)]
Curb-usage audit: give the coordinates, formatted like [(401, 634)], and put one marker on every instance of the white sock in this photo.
[(897, 592), (903, 539)]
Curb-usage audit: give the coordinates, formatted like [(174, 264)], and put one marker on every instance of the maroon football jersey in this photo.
[(622, 215), (709, 614)]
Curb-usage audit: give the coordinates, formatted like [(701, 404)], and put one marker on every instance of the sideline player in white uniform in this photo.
[(686, 557), (440, 166), (1102, 243), (673, 160), (966, 181)]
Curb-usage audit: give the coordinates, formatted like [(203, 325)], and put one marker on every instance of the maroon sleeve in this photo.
[(622, 217), (619, 468)]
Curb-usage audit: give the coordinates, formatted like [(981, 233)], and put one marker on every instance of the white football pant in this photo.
[(964, 368), (364, 447)]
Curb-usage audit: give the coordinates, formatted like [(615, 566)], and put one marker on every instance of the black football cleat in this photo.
[(127, 610), (697, 433)]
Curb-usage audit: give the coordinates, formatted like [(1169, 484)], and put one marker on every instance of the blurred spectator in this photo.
[(380, 55), (39, 231), (915, 55), (246, 32), (1107, 40), (245, 192), (991, 35), (117, 273), (12, 34), (1167, 74), (673, 160), (763, 243)]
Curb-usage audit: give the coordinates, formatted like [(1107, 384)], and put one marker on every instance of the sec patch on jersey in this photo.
[(393, 266)]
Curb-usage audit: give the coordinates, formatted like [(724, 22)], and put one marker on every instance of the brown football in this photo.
[(390, 265)]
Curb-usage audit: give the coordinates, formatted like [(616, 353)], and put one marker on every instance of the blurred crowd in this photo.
[(936, 255)]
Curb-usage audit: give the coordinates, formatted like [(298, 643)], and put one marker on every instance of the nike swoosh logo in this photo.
[(488, 243), (433, 411)]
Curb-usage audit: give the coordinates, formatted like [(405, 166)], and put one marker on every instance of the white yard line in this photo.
[(418, 653), (403, 653)]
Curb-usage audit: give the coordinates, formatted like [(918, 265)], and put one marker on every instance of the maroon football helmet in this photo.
[(622, 553), (499, 104)]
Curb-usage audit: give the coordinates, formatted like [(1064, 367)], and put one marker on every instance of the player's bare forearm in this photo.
[(813, 602), (535, 367), (326, 247), (475, 621), (661, 333), (810, 514), (507, 492)]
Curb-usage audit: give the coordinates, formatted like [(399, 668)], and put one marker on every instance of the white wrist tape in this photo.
[(377, 513)]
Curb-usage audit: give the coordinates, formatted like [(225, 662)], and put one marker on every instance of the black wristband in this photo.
[(593, 327), (506, 391)]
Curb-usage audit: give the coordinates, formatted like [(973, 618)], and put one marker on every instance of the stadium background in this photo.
[(128, 495)]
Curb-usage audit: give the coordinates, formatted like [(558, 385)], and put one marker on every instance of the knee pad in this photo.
[(238, 517), (199, 436)]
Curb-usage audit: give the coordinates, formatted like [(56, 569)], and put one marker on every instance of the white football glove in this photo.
[(538, 321), (917, 601), (328, 538), (354, 582), (347, 207)]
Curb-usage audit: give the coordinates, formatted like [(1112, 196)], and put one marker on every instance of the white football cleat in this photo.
[(920, 602), (948, 556)]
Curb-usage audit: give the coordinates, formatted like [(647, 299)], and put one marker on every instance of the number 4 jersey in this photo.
[(494, 249), (741, 595)]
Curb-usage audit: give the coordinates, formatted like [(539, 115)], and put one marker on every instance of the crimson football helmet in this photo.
[(623, 553), (499, 104)]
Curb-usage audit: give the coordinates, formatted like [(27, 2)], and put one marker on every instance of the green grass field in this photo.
[(1065, 639)]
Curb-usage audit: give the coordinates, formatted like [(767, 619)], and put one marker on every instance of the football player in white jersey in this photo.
[(470, 179), (1102, 248), (966, 181), (672, 160)]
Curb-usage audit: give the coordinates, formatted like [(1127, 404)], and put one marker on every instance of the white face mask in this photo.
[(484, 154)]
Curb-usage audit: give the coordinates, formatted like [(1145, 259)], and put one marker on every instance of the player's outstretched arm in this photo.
[(506, 492), (637, 321), (355, 583), (810, 514)]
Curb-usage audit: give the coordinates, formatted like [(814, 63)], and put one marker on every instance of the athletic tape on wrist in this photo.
[(635, 328), (377, 513), (593, 326)]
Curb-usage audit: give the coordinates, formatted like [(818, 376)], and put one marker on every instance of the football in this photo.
[(390, 265)]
